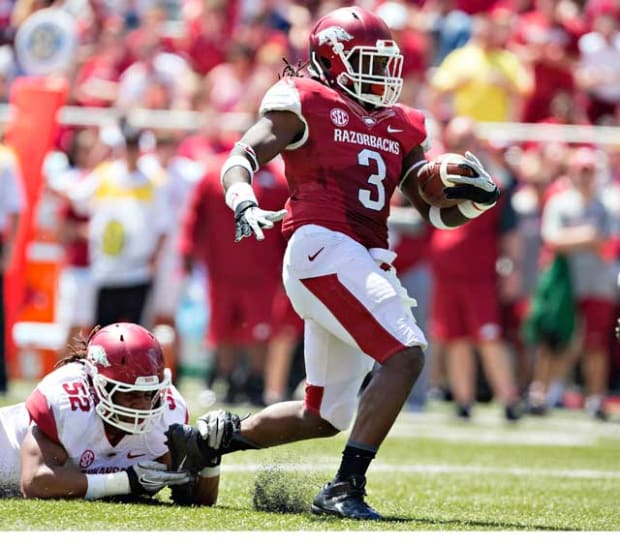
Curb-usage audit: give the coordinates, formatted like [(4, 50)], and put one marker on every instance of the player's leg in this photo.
[(357, 298), (483, 316), (334, 373), (598, 322), (461, 368), (449, 328)]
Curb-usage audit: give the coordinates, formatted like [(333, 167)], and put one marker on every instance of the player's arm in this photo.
[(45, 472), (480, 192), (273, 131)]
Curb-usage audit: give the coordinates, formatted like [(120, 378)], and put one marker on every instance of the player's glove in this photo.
[(187, 448), (149, 477), (618, 329), (217, 428), (479, 189), (250, 219), (193, 448)]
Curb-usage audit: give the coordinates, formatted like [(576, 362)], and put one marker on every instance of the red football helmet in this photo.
[(353, 50), (125, 357)]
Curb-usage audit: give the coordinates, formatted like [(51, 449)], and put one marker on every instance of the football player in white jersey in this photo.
[(94, 427)]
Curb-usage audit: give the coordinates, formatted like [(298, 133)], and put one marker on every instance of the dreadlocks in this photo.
[(293, 71), (78, 347)]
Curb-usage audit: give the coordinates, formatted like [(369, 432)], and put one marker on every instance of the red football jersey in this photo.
[(346, 166)]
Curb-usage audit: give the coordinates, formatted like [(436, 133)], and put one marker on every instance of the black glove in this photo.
[(187, 448), (250, 219), (217, 428), (479, 189), (149, 477)]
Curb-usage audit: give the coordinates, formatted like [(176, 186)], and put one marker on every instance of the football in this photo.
[(432, 178)]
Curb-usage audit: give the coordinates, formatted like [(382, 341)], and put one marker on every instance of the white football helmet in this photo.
[(121, 358)]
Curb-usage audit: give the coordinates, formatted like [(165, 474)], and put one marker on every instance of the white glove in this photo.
[(479, 189), (250, 219), (149, 477)]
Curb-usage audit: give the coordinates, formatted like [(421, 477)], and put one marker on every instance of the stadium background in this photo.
[(214, 60)]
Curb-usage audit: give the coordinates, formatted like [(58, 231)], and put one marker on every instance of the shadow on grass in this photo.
[(499, 526)]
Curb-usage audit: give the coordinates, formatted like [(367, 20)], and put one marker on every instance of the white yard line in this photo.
[(577, 473)]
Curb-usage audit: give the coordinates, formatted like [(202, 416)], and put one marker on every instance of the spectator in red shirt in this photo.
[(546, 38), (465, 309), (96, 83), (240, 298), (76, 288)]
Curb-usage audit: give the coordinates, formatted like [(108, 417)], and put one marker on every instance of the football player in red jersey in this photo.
[(94, 427), (347, 144)]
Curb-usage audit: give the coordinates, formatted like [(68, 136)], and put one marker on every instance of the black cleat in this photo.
[(512, 412), (463, 412), (344, 499)]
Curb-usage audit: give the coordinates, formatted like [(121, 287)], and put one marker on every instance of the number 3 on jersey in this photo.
[(366, 197)]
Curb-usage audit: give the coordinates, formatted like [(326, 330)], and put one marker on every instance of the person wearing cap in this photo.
[(576, 224), (129, 221)]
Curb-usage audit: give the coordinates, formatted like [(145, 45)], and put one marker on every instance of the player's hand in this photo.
[(250, 219), (618, 329), (149, 477), (479, 189), (217, 428)]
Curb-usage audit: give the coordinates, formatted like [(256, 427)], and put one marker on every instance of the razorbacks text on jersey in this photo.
[(63, 407), (344, 169)]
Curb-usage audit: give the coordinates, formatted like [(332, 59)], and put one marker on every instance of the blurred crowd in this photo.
[(480, 289)]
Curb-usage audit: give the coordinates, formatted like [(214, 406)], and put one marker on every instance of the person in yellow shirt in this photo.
[(129, 223), (482, 80)]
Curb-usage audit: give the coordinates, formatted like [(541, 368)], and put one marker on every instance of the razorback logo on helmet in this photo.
[(97, 354), (333, 35)]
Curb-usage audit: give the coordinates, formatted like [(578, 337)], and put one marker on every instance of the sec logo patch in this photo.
[(339, 117), (87, 458)]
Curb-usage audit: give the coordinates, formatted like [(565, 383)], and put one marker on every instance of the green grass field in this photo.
[(559, 473)]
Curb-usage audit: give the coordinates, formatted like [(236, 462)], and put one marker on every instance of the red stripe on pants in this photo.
[(372, 338), (313, 398)]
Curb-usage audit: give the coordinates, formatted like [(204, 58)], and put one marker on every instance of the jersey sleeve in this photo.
[(41, 413), (284, 96), (417, 135)]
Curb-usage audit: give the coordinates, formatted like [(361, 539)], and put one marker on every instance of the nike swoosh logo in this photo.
[(391, 129), (313, 256), (131, 455)]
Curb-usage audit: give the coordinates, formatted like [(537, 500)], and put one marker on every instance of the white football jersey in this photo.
[(14, 423), (63, 407)]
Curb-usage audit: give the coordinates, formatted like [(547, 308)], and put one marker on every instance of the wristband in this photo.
[(470, 210), (434, 216), (106, 485), (240, 191), (210, 472), (236, 161), (415, 167)]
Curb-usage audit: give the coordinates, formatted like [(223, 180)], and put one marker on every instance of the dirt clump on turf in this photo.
[(282, 492)]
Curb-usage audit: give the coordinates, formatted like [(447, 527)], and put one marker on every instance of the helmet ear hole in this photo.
[(327, 64)]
